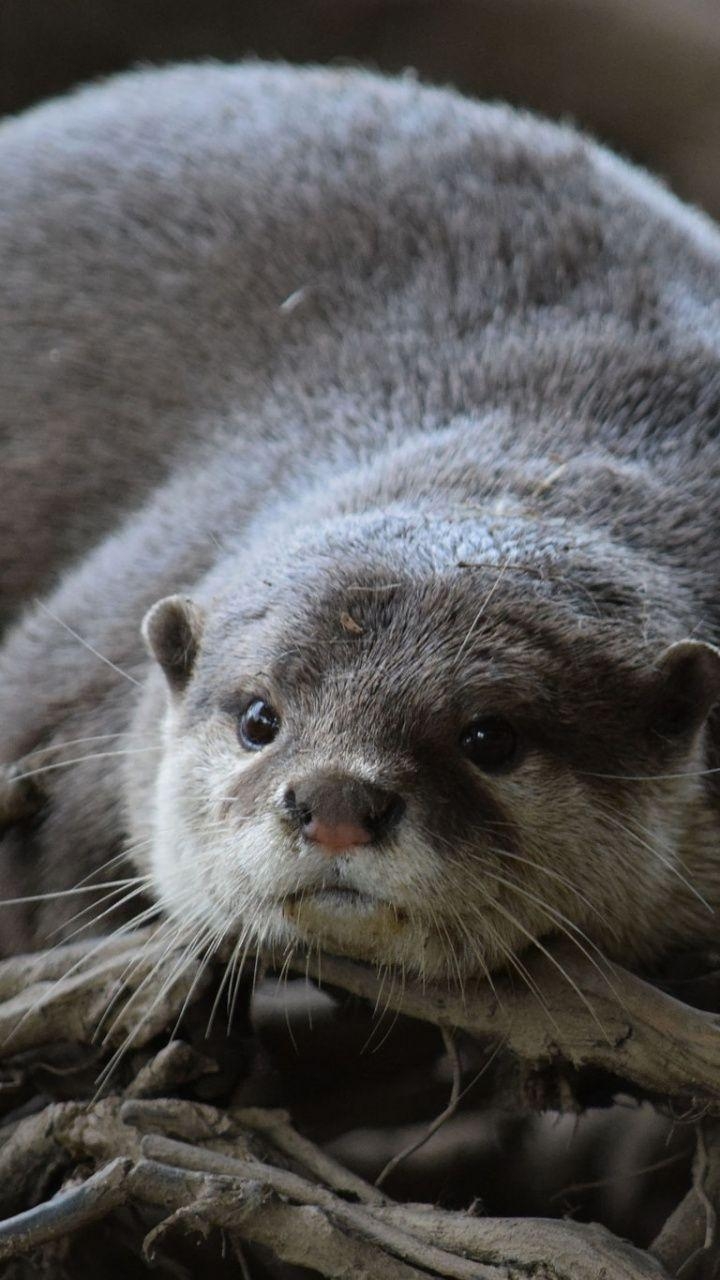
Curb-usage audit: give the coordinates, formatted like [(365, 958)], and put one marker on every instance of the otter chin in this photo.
[(359, 541), (350, 923)]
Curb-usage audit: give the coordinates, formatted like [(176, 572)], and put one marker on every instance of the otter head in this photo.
[(415, 741)]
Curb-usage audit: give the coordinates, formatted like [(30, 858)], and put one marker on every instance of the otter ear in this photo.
[(172, 630), (689, 687)]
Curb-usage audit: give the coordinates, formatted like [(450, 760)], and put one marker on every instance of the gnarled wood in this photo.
[(248, 1172)]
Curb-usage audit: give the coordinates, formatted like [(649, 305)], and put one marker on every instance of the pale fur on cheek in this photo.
[(235, 870), (248, 874)]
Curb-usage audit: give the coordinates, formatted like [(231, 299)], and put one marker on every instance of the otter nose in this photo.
[(337, 811)]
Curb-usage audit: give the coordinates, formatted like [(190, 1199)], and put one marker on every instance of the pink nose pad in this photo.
[(336, 837)]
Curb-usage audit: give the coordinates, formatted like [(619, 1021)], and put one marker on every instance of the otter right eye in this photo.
[(259, 724), (490, 743)]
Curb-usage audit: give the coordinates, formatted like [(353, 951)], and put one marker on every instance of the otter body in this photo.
[(411, 407)]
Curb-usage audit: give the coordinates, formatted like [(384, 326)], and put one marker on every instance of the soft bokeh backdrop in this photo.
[(643, 75)]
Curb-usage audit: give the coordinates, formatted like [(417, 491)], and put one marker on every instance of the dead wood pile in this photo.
[(181, 1159)]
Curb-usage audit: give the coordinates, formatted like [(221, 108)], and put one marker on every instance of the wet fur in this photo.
[(307, 343)]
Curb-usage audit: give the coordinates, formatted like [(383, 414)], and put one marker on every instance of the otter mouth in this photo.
[(333, 899)]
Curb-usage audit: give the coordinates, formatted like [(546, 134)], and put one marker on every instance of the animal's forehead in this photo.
[(427, 628), (430, 634)]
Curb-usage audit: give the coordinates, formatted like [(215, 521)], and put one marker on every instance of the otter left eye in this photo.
[(259, 724), (489, 743)]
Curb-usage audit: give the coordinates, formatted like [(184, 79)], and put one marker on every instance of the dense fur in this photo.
[(316, 346)]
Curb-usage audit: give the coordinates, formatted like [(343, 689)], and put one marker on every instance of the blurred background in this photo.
[(642, 75)]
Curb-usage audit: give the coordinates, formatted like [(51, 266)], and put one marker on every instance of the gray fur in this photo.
[(280, 339)]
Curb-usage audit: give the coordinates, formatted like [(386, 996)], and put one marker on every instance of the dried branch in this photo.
[(177, 1064), (690, 1230), (68, 1211), (448, 1244), (29, 1155), (225, 1184), (64, 994), (276, 1127), (248, 1172), (302, 1235), (591, 1017), (613, 1020), (446, 1114), (196, 1185)]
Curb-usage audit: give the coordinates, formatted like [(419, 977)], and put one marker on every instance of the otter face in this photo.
[(424, 762)]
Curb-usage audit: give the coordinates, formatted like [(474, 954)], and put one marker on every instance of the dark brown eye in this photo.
[(489, 743), (259, 724)]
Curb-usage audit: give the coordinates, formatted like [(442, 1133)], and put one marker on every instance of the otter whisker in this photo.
[(482, 609), (442, 930), (512, 958), (206, 951), (256, 963), (486, 927), (124, 855), (249, 939), (378, 1017), (650, 777), (140, 885), (520, 968), (282, 981), (622, 826), (127, 975), (245, 938), (239, 957), (103, 941), (136, 962), (382, 971), (223, 986), (393, 1021), (97, 755), (470, 943), (487, 870), (558, 916), (553, 875), (86, 644), (52, 747), (307, 980), (554, 961), (59, 893), (567, 927), (235, 987), (189, 954)]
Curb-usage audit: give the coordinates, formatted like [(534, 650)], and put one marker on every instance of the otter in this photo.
[(359, 530)]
